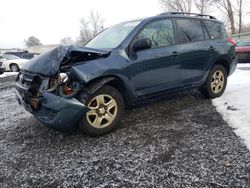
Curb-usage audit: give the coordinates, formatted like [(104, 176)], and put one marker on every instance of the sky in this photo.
[(52, 20)]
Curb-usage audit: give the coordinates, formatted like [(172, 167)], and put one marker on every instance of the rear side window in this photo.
[(216, 30), (189, 30)]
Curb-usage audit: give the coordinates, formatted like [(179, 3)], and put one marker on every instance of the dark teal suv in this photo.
[(132, 61)]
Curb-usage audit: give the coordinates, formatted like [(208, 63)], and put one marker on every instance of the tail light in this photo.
[(232, 41)]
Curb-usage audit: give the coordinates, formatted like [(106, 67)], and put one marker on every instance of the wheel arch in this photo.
[(13, 64), (112, 80), (223, 62)]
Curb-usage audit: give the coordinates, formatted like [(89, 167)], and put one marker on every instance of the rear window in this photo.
[(189, 30), (216, 30)]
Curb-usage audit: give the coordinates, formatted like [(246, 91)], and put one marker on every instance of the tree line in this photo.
[(89, 27), (232, 13)]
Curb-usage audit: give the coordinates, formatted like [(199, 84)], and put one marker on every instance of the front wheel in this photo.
[(106, 107), (216, 82)]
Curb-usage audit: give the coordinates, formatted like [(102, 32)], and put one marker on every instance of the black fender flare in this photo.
[(96, 85)]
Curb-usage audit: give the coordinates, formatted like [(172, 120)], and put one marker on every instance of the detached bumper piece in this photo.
[(2, 69), (54, 111)]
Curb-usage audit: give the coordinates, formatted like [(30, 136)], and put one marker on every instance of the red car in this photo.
[(243, 51)]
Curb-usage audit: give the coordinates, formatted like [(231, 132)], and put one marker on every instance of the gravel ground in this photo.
[(180, 141)]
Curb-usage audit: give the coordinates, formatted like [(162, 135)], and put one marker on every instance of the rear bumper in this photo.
[(233, 66), (55, 111)]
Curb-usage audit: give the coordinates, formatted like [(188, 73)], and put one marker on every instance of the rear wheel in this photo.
[(106, 107), (216, 82), (14, 68)]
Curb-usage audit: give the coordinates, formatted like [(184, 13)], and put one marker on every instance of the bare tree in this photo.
[(246, 28), (203, 6), (226, 7), (233, 10), (239, 12), (67, 41), (177, 5), (90, 27), (32, 41)]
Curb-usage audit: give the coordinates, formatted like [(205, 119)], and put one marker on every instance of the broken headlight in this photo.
[(63, 86), (55, 82), (63, 78)]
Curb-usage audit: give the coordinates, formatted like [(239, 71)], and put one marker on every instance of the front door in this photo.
[(158, 68)]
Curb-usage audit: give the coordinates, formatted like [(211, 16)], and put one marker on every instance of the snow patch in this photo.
[(234, 104)]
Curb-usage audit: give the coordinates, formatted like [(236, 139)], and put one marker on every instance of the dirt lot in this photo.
[(180, 141)]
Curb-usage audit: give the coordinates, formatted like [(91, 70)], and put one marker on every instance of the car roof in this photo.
[(178, 15)]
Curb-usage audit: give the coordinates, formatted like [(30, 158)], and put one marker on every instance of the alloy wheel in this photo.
[(103, 111), (218, 81)]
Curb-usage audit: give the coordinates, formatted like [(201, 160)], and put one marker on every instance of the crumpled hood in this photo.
[(49, 63)]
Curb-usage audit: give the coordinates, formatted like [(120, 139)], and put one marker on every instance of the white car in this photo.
[(12, 62)]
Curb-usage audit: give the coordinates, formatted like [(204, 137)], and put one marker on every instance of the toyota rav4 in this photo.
[(90, 86)]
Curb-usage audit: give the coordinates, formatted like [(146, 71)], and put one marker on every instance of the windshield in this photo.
[(10, 57), (112, 37), (243, 43)]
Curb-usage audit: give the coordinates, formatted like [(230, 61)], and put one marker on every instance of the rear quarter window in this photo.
[(189, 30), (216, 30)]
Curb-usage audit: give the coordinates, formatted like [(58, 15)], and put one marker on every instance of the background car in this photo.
[(23, 54), (12, 62), (243, 51)]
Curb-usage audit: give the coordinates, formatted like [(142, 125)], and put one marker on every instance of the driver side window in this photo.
[(161, 33)]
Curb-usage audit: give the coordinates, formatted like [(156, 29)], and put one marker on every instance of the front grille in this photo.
[(25, 80), (29, 83)]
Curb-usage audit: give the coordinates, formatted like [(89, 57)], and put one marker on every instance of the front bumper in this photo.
[(55, 111)]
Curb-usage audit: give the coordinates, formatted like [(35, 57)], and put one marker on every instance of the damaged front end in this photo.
[(47, 88)]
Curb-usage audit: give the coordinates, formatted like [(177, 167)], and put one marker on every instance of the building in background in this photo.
[(34, 49), (42, 49)]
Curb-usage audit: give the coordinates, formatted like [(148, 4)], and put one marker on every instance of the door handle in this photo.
[(211, 48), (175, 54)]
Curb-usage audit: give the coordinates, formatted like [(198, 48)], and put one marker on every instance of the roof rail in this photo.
[(187, 13)]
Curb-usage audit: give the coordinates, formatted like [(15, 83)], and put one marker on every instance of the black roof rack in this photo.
[(187, 13)]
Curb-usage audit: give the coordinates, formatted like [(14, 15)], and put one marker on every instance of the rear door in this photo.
[(194, 50)]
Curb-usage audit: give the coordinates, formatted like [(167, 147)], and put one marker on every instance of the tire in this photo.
[(14, 68), (216, 82), (106, 108)]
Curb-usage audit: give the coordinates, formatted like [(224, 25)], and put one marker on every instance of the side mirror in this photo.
[(142, 44)]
